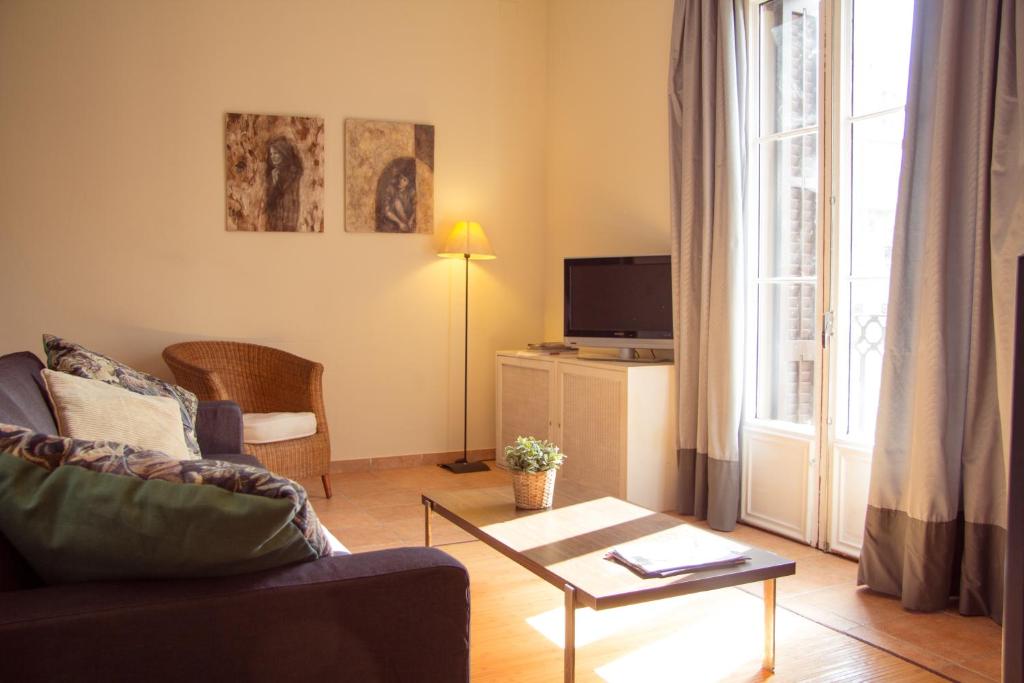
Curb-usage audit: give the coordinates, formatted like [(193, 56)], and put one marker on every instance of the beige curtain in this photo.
[(936, 521), (707, 97)]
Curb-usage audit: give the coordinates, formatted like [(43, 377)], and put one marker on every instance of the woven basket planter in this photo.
[(534, 490)]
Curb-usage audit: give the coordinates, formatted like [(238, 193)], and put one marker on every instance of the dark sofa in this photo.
[(390, 615)]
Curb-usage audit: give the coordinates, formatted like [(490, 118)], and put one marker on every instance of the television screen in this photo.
[(626, 297)]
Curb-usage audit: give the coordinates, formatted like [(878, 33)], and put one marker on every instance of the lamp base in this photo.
[(464, 467)]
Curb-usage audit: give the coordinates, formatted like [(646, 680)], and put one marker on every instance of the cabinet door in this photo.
[(525, 391), (592, 427)]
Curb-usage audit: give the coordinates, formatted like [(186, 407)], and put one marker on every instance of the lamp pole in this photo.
[(467, 240), (463, 465), (465, 370)]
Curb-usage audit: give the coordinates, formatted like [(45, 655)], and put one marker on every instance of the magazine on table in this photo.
[(658, 559)]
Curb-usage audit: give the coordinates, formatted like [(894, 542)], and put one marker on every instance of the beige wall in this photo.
[(551, 125), (607, 135), (112, 204)]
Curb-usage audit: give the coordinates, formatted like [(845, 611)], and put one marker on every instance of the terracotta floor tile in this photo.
[(440, 538), (860, 605), (353, 477), (925, 657), (345, 518), (988, 665), (957, 638), (338, 503), (386, 514), (422, 476), (821, 615), (363, 538), (380, 499), (441, 530)]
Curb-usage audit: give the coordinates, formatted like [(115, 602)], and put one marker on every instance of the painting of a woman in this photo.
[(396, 196), (389, 177), (284, 171), (274, 173)]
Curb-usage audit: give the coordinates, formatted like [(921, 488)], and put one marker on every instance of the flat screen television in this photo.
[(622, 302)]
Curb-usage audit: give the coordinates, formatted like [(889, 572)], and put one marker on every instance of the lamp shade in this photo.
[(467, 240)]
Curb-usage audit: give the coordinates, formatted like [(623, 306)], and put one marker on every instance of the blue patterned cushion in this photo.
[(65, 356), (195, 517)]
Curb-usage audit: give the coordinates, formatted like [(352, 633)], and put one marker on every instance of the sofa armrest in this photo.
[(389, 615), (219, 427)]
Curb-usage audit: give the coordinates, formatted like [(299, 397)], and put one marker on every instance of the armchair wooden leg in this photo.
[(326, 479)]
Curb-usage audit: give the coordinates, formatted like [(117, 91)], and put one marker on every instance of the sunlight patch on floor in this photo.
[(591, 626), (692, 612), (711, 648)]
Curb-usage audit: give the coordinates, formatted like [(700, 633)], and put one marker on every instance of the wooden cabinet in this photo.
[(615, 421), (525, 401)]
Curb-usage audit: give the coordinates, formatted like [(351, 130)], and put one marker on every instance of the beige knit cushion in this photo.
[(273, 427), (96, 411)]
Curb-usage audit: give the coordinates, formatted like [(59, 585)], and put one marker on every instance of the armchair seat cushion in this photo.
[(274, 427)]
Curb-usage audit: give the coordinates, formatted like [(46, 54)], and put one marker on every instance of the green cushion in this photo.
[(75, 524)]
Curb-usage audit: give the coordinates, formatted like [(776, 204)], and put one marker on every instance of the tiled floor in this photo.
[(382, 509)]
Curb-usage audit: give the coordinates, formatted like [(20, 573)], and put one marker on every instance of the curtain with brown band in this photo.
[(936, 520), (707, 108)]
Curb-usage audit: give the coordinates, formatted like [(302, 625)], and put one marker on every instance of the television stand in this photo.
[(615, 420)]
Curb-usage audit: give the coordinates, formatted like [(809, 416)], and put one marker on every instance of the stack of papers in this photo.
[(658, 559)]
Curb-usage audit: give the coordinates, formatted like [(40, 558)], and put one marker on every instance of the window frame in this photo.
[(754, 141), (842, 191)]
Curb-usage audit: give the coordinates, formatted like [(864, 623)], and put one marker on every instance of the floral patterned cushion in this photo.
[(141, 477), (65, 356)]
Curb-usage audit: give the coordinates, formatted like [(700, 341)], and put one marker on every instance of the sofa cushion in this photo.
[(23, 398), (89, 409), (77, 360), (274, 427), (79, 511)]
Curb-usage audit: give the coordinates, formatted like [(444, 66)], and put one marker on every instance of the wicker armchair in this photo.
[(261, 380)]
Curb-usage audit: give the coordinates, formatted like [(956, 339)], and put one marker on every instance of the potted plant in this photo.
[(533, 463)]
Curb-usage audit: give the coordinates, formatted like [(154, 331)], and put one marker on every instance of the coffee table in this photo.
[(566, 545)]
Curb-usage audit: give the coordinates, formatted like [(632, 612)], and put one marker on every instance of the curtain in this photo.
[(707, 102), (936, 520)]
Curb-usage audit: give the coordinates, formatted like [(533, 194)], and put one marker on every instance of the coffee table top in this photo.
[(567, 544)]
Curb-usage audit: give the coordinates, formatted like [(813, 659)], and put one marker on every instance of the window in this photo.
[(787, 237), (789, 286), (829, 82), (872, 149)]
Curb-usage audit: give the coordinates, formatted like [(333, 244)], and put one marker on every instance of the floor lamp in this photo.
[(468, 242)]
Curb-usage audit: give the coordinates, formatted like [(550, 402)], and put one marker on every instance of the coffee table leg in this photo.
[(570, 633), (769, 625), (427, 509)]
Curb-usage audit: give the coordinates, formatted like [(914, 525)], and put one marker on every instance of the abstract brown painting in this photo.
[(389, 177), (275, 173)]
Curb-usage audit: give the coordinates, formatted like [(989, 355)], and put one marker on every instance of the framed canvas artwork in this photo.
[(275, 173), (389, 177)]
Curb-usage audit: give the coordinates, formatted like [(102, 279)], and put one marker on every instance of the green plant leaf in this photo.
[(529, 454)]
